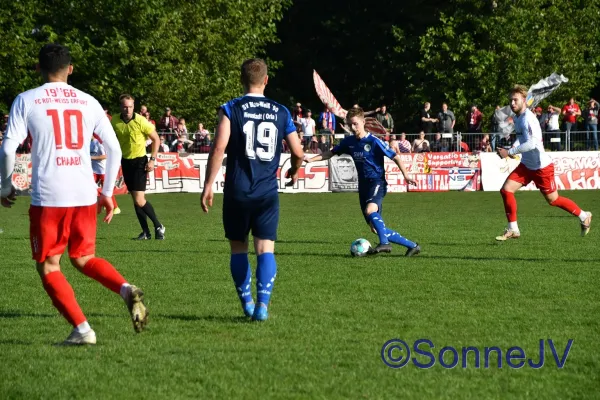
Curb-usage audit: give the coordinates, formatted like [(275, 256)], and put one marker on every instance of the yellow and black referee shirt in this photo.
[(132, 135)]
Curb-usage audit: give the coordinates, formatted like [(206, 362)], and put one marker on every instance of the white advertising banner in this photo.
[(575, 170)]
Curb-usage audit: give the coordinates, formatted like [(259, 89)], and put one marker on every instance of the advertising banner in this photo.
[(575, 170)]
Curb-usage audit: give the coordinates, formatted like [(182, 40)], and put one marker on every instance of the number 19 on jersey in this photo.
[(266, 135)]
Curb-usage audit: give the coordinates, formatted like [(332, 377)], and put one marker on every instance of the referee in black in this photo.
[(132, 131)]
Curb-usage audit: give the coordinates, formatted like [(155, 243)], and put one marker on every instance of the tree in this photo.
[(463, 52), (481, 49), (185, 55)]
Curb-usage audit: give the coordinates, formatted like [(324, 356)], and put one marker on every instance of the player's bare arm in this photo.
[(295, 146), (155, 146), (7, 164), (398, 161), (321, 157), (101, 157), (14, 135), (215, 159)]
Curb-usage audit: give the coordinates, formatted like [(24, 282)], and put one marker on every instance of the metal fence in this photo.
[(435, 142)]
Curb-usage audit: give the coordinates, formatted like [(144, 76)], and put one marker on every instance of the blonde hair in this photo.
[(355, 112), (519, 89), (254, 72)]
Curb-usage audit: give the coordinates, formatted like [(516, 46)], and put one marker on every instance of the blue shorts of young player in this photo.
[(261, 217), (372, 192)]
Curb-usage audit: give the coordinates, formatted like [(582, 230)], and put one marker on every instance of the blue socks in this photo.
[(377, 222), (266, 271), (242, 276), (395, 237), (387, 235)]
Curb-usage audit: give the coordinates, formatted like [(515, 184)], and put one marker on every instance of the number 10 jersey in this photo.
[(258, 126), (61, 121)]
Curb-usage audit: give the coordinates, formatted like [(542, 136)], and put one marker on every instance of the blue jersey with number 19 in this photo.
[(258, 126)]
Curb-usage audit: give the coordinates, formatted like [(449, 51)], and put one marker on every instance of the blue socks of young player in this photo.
[(395, 237), (242, 277), (377, 222), (387, 235)]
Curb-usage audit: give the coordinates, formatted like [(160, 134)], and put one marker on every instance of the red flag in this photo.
[(327, 97)]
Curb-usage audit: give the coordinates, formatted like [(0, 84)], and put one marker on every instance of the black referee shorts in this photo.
[(134, 173)]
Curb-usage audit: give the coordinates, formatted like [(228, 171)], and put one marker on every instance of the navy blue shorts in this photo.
[(371, 192), (261, 216)]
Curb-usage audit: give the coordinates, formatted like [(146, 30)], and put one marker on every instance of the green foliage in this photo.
[(185, 55), (477, 52), (462, 52)]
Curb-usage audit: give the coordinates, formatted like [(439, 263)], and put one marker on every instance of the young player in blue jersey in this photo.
[(368, 153), (251, 129)]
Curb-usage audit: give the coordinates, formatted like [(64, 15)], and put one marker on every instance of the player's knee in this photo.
[(47, 267), (551, 198), (79, 262), (262, 246), (238, 246), (139, 201), (505, 191), (370, 209)]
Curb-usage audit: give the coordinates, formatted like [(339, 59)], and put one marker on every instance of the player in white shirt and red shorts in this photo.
[(536, 165), (98, 156), (61, 121)]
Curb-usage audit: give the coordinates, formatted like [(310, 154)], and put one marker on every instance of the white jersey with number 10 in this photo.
[(61, 121)]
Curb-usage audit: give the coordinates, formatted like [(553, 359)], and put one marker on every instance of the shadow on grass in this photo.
[(304, 254), (16, 342), (160, 251), (507, 259), (209, 318), (19, 314), (282, 241)]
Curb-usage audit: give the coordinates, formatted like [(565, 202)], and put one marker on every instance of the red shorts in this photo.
[(543, 178), (52, 228), (99, 178)]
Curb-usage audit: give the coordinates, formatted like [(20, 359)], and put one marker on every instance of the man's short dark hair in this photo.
[(125, 96), (254, 72), (54, 57)]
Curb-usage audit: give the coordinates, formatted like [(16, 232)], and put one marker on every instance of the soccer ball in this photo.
[(359, 247)]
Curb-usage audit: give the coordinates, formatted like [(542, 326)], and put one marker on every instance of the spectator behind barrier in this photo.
[(421, 145), (323, 144), (436, 143), (168, 122), (163, 148), (485, 144), (403, 144)]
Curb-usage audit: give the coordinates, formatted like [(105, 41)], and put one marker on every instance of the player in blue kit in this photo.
[(251, 129), (368, 153)]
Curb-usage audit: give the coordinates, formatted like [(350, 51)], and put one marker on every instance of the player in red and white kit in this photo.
[(61, 121), (536, 165)]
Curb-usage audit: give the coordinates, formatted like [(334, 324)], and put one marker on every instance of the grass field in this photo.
[(330, 313)]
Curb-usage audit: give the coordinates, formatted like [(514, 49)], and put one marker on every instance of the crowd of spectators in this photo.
[(438, 130)]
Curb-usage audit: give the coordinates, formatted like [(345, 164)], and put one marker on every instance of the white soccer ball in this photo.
[(359, 247)]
